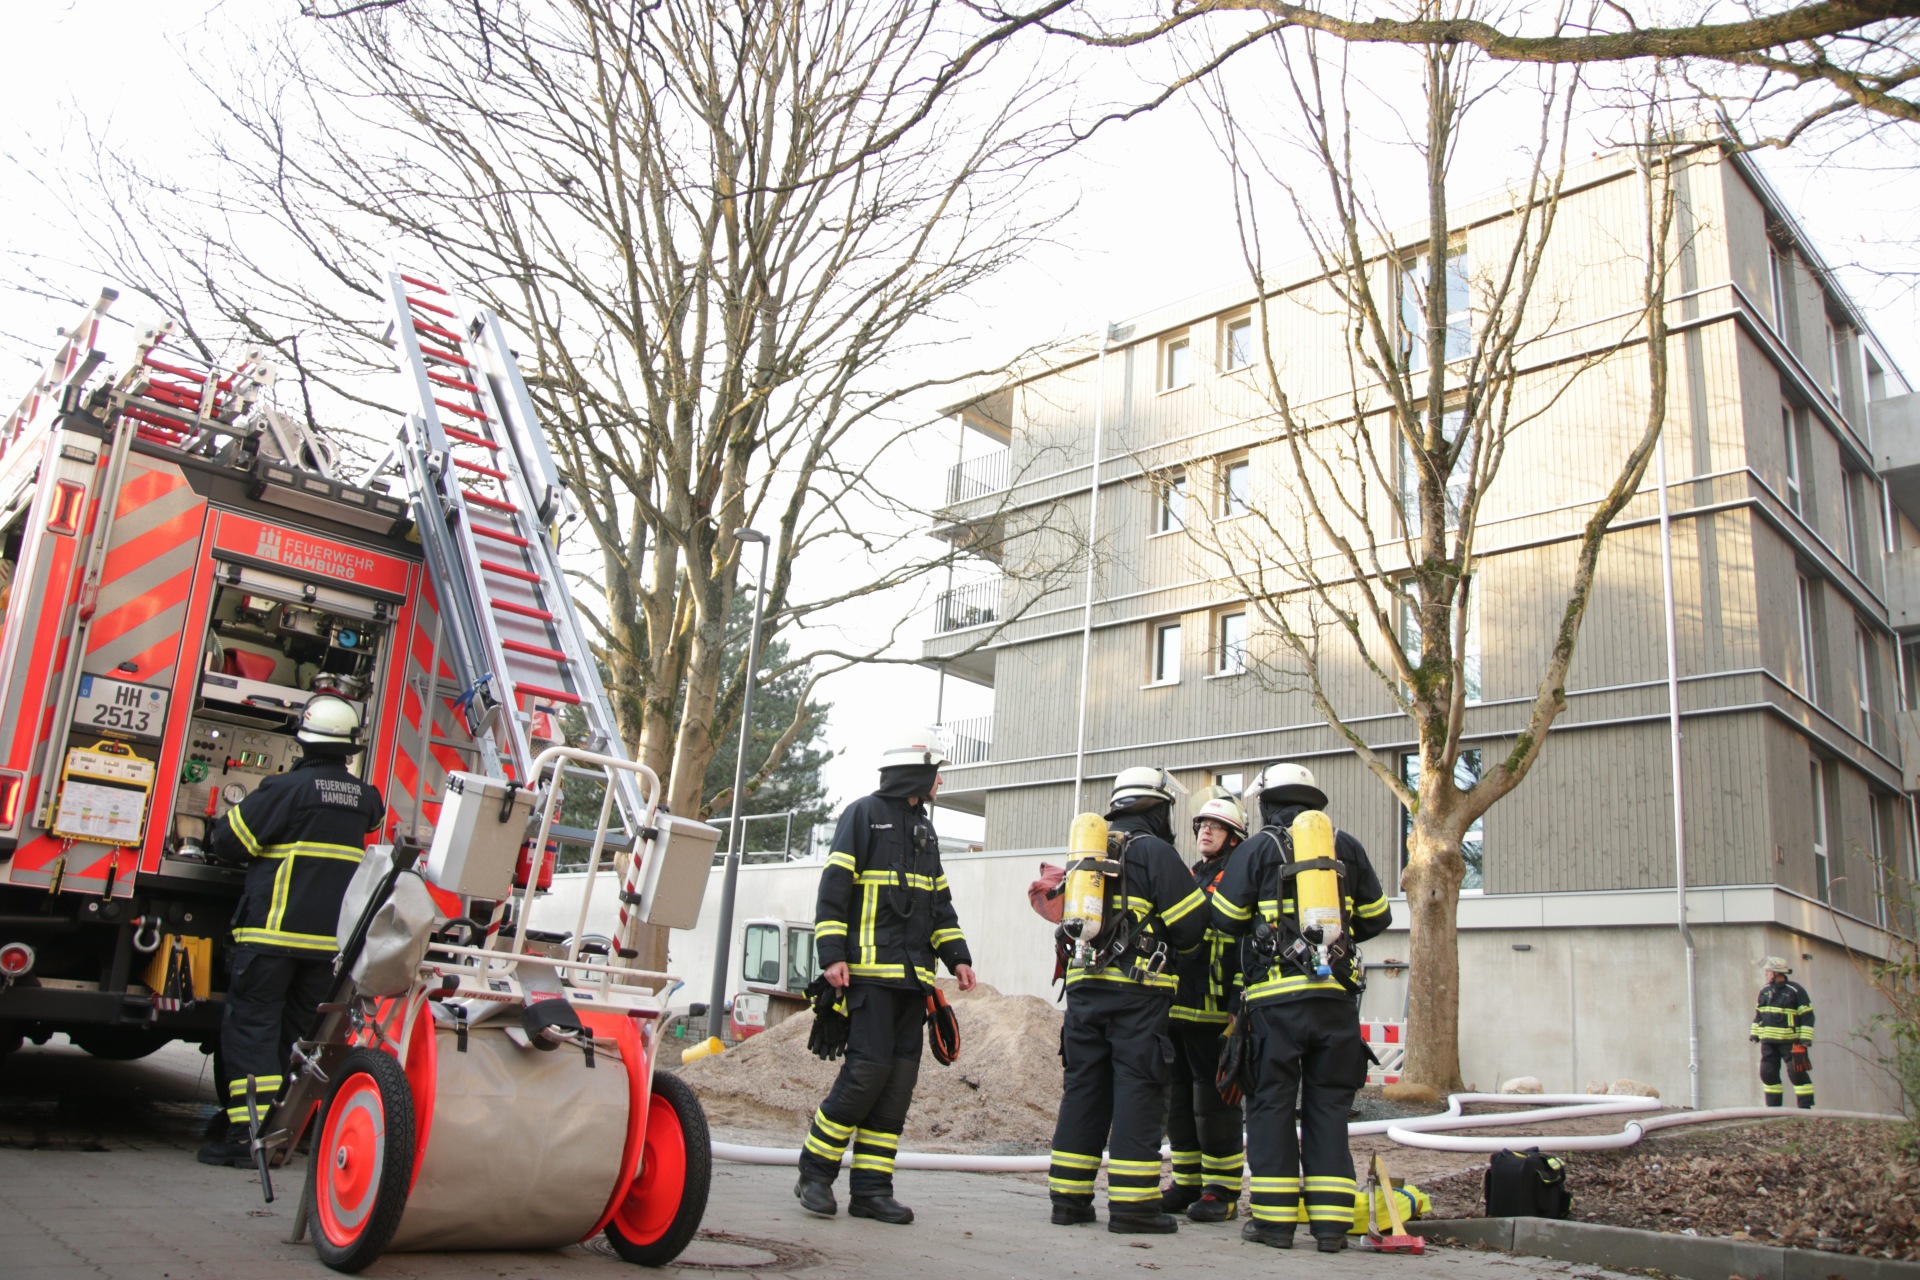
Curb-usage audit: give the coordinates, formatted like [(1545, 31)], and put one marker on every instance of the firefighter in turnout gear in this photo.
[(884, 915), (300, 835), (1120, 986), (1203, 1128), (1302, 976), (1783, 1028)]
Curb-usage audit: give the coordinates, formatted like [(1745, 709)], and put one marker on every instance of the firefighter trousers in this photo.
[(1307, 1058), (867, 1106), (1118, 1057), (271, 1000), (1203, 1128), (1773, 1053)]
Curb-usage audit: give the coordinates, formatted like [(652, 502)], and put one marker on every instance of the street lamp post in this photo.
[(716, 1006)]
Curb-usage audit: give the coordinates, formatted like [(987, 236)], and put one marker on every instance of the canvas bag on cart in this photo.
[(396, 940)]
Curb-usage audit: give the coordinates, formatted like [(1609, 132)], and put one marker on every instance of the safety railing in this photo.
[(978, 477), (974, 605), (969, 741)]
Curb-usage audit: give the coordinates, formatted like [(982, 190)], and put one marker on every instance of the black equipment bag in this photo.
[(1527, 1184)]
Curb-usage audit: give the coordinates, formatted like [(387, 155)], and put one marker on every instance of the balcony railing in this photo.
[(969, 741), (978, 477), (974, 605)]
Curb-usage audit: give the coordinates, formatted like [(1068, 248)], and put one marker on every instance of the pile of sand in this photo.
[(999, 1098)]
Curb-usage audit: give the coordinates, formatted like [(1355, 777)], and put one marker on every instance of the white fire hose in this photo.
[(1415, 1131)]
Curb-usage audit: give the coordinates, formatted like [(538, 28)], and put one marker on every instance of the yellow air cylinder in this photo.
[(1316, 894), (1083, 909)]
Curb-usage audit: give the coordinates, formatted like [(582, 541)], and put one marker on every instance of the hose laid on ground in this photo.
[(1416, 1131)]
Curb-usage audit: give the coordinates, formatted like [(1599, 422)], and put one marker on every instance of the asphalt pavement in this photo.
[(98, 1179)]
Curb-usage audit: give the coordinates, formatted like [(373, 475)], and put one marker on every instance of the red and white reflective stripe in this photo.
[(1389, 1041)]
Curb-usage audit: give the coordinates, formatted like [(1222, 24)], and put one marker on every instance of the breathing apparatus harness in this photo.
[(1283, 939), (1122, 929)]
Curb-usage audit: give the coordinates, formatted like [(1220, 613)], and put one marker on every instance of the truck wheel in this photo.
[(668, 1197), (362, 1165), (117, 1044)]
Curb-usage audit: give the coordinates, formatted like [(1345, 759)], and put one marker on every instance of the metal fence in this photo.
[(974, 605), (969, 741), (978, 477)]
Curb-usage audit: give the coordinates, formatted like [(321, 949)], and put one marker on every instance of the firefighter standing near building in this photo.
[(884, 914), (1203, 1128), (1783, 1028), (1305, 1051), (1115, 1042), (300, 835)]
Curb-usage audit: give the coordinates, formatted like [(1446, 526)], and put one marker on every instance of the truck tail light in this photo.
[(16, 960), (13, 786)]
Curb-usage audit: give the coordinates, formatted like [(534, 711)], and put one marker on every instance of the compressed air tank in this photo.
[(1316, 893), (1083, 909)]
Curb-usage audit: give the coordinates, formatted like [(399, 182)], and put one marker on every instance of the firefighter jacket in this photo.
[(1252, 891), (1156, 902), (1210, 976), (1783, 1012), (300, 835), (884, 906)]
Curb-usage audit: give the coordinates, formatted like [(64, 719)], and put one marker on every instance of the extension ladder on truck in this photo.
[(486, 493)]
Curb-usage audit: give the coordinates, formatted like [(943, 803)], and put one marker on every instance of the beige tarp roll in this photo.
[(524, 1146)]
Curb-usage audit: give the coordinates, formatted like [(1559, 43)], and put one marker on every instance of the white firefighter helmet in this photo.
[(326, 718), (919, 747), (1224, 810), (1143, 785), (1775, 964), (1288, 782)]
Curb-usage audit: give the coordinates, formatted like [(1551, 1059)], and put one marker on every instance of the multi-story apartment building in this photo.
[(1792, 454)]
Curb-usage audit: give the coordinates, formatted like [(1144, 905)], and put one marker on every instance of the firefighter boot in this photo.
[(1175, 1198), (1141, 1224), (880, 1209), (816, 1196), (237, 1155), (1330, 1243), (1071, 1215), (1275, 1235), (1211, 1208)]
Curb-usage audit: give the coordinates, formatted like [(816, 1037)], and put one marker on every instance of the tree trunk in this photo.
[(1432, 884)]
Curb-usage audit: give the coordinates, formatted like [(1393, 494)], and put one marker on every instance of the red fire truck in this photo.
[(183, 567)]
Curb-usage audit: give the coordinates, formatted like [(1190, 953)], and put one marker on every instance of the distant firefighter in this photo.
[(1783, 1028)]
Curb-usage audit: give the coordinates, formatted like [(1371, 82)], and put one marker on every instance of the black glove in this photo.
[(1802, 1059), (1229, 1077), (1753, 1039), (828, 1040)]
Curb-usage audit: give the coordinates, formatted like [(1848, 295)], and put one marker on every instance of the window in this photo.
[(760, 958), (1166, 653), (1863, 678), (1176, 362), (1883, 840), (1855, 497), (1466, 773), (1836, 354), (1236, 782), (1236, 343), (1415, 276), (1452, 427), (1470, 655), (1910, 672), (1822, 881), (803, 962), (1230, 644), (1792, 438), (1876, 379), (1777, 286), (1170, 509), (1236, 487), (1804, 600)]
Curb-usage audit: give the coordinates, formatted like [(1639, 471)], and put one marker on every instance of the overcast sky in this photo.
[(1152, 226)]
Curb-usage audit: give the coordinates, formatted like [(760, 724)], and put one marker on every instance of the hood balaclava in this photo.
[(1158, 817), (905, 781)]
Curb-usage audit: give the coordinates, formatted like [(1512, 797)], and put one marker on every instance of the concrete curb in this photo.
[(1683, 1257)]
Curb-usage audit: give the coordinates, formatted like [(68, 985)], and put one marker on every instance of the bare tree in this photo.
[(723, 233), (1361, 554)]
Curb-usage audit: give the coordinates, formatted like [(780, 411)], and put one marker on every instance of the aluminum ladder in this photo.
[(485, 495)]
